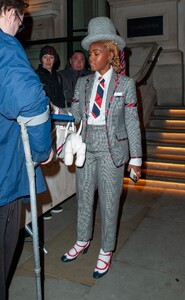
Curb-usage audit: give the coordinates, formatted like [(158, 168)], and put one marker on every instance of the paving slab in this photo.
[(24, 288), (170, 208), (129, 282), (156, 244)]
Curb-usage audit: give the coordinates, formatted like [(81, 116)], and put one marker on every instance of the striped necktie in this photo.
[(99, 98)]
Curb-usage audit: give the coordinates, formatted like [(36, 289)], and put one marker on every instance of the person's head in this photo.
[(48, 57), (103, 44), (103, 54), (11, 15), (77, 60)]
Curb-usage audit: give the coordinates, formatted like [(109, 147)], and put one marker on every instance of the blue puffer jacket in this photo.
[(21, 93)]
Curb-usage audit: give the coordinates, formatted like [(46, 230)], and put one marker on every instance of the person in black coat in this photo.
[(52, 84), (50, 78)]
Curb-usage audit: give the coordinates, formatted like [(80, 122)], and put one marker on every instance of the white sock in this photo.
[(102, 252), (77, 245)]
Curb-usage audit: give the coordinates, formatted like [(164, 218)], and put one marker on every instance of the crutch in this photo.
[(30, 232), (30, 165)]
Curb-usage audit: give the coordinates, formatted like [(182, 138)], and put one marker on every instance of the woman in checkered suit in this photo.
[(111, 131)]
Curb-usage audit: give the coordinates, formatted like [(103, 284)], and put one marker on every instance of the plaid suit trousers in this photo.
[(100, 173)]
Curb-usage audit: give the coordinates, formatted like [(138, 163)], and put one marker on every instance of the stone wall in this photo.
[(168, 75)]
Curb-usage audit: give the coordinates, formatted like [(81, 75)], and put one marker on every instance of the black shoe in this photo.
[(57, 209), (47, 216)]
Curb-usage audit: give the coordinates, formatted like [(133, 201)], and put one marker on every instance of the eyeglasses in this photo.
[(22, 26)]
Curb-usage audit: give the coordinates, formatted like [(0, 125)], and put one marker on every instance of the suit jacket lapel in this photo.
[(111, 88), (88, 90)]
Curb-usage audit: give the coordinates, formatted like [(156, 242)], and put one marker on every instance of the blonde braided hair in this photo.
[(113, 47)]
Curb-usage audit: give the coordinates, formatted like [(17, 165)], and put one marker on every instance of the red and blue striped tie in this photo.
[(99, 98)]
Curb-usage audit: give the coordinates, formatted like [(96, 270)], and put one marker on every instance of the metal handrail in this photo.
[(146, 70)]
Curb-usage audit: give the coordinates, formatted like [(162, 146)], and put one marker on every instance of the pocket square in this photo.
[(118, 94)]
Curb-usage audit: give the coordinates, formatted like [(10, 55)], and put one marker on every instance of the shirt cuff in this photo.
[(135, 161)]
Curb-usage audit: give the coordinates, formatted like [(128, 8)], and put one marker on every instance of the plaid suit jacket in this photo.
[(122, 122)]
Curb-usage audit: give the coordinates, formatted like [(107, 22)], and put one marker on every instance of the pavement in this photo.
[(148, 264)]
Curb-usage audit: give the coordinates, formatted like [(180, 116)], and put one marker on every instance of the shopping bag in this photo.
[(62, 132), (63, 126)]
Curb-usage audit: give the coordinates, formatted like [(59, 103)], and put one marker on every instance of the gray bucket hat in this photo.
[(102, 28)]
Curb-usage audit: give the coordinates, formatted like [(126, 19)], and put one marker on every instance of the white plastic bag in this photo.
[(62, 132)]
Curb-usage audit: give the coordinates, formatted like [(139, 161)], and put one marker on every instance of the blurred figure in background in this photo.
[(52, 84), (76, 67), (50, 78)]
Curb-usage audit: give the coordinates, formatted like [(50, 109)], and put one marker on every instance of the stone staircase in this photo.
[(164, 150)]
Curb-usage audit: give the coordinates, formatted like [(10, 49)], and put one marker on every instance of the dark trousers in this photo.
[(9, 232)]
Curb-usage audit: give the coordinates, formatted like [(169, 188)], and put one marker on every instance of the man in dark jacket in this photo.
[(75, 68), (21, 94)]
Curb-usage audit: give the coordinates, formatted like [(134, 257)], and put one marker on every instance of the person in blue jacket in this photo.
[(21, 94)]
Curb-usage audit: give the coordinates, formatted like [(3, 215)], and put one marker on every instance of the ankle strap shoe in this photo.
[(73, 253), (100, 270)]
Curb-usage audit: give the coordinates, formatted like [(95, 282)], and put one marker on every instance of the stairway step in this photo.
[(167, 179), (155, 184), (164, 123), (165, 136), (164, 171), (166, 143), (169, 111), (166, 130), (172, 167), (164, 174), (163, 149), (167, 118), (166, 158)]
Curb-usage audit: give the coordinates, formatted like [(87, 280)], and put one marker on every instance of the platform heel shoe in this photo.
[(103, 264), (73, 253)]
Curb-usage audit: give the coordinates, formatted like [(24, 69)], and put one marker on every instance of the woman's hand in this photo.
[(137, 170)]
